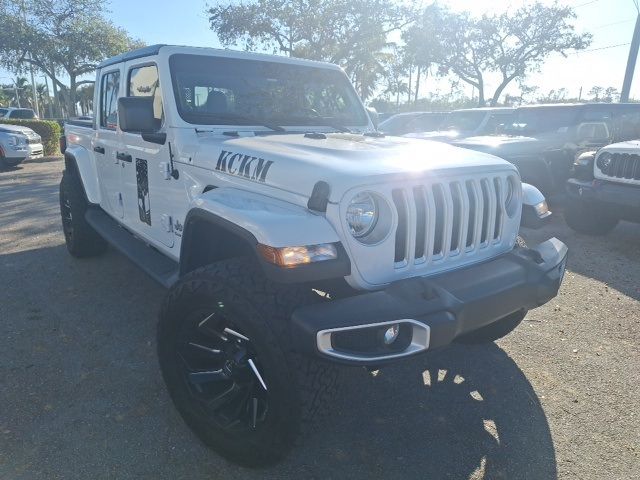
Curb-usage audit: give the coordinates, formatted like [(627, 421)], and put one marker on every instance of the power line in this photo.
[(587, 3), (600, 48), (613, 23)]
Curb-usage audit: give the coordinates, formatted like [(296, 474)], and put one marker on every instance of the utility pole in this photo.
[(631, 62), (46, 84), (16, 92), (33, 83)]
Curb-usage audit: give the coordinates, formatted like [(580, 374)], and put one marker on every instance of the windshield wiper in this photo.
[(339, 128)]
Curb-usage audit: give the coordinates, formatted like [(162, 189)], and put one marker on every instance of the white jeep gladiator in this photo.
[(292, 237)]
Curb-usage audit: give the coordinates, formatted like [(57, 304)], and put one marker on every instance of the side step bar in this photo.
[(155, 264)]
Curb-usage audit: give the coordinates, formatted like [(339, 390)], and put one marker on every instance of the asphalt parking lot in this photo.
[(81, 395)]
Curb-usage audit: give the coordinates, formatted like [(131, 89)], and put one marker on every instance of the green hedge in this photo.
[(49, 130)]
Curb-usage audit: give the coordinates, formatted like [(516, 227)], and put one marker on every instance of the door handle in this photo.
[(125, 157), (99, 150)]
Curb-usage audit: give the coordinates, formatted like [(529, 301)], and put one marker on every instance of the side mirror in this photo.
[(373, 115), (135, 115)]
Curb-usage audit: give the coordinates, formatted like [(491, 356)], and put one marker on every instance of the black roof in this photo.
[(133, 54)]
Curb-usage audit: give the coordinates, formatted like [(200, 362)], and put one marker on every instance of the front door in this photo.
[(149, 189), (105, 144)]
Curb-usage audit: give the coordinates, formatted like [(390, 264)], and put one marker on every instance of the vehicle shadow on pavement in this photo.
[(462, 412), (82, 395), (611, 258)]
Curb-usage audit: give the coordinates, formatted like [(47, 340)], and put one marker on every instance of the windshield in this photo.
[(467, 120), (3, 112), (536, 120), (228, 91)]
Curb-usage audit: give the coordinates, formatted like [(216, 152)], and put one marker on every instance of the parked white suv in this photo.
[(18, 143), (291, 235)]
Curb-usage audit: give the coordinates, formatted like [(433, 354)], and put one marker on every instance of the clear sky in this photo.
[(611, 22)]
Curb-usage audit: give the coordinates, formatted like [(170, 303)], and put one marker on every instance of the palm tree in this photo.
[(24, 93), (5, 100)]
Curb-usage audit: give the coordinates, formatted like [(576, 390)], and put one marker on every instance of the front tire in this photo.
[(588, 219), (226, 358), (81, 239)]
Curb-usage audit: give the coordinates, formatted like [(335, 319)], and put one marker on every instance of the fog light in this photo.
[(391, 334)]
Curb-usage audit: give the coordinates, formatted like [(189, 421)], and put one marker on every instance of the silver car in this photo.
[(18, 143)]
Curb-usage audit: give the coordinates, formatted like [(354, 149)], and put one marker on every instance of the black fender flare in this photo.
[(329, 269)]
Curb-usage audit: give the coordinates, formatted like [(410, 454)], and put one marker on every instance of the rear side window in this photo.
[(144, 82), (109, 88), (3, 112), (23, 113)]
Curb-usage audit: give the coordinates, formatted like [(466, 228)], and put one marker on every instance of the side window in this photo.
[(144, 82), (109, 89), (597, 114), (494, 120)]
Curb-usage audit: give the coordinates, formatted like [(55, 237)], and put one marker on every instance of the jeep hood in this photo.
[(628, 145), (439, 135), (501, 144), (295, 162)]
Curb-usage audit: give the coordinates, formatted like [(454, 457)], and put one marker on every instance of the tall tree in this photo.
[(352, 33), (59, 36), (510, 45)]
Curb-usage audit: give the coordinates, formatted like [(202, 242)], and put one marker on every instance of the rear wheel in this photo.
[(588, 219), (10, 162), (81, 239), (225, 355)]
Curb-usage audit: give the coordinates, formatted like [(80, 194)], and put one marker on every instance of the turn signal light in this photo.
[(294, 256)]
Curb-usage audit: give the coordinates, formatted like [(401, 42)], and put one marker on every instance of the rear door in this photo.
[(106, 141), (149, 189)]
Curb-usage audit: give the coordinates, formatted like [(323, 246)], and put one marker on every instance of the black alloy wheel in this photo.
[(222, 372)]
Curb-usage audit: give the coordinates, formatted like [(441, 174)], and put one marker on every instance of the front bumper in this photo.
[(36, 150), (616, 196), (434, 310)]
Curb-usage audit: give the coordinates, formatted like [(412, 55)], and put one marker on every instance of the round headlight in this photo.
[(604, 160), (362, 214)]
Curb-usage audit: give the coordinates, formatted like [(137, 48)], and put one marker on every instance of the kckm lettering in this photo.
[(253, 168)]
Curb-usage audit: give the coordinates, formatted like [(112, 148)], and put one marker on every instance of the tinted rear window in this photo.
[(23, 113)]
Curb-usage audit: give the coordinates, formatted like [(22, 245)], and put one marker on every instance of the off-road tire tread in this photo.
[(86, 241), (317, 383), (585, 218)]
